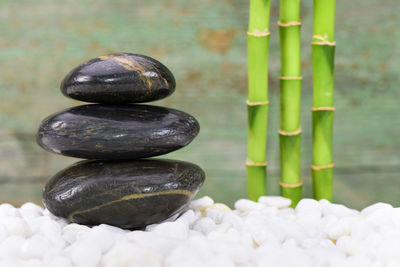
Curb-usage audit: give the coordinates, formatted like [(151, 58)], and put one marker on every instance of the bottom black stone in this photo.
[(127, 194)]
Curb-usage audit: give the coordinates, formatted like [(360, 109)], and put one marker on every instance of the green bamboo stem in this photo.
[(290, 86), (323, 51), (257, 109)]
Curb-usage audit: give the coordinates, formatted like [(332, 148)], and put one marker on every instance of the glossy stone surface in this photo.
[(119, 78), (116, 132), (127, 194)]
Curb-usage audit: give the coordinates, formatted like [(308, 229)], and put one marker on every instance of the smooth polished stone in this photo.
[(127, 194), (119, 78), (116, 132)]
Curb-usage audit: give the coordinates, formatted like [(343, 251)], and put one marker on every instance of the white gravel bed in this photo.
[(263, 233)]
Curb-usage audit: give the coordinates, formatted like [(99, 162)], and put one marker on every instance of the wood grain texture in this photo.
[(204, 44)]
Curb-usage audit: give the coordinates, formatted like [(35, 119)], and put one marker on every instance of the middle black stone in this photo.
[(116, 132)]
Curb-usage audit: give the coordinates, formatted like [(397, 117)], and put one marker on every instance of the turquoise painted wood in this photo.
[(204, 44)]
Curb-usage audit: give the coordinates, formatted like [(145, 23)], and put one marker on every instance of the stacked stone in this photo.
[(116, 185)]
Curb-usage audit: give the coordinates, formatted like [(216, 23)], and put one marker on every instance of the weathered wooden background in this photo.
[(204, 44)]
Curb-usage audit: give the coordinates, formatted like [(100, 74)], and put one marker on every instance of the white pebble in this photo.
[(216, 215), (348, 244), (363, 229), (337, 210), (219, 260), (153, 242), (11, 262), (49, 228), (177, 229), (3, 233), (225, 235), (343, 227), (11, 247), (193, 254), (39, 224), (84, 254), (358, 260), (52, 253), (327, 255), (233, 220), (290, 256), (374, 207), (239, 254), (189, 217), (69, 233), (60, 261), (8, 210), (244, 205), (33, 263), (35, 247), (16, 226), (287, 214), (308, 213), (263, 233), (373, 239), (114, 230), (201, 203), (392, 263), (30, 210), (260, 232), (389, 248), (204, 225), (98, 236), (219, 207), (125, 254), (247, 240), (385, 219), (198, 246), (47, 213), (308, 207), (275, 201)]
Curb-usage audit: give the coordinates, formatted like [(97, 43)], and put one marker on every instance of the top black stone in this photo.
[(119, 78)]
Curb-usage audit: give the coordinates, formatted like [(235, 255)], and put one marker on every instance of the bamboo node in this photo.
[(291, 185), (322, 167), (322, 41), (323, 109), (252, 163), (258, 33), (282, 132), (289, 23), (291, 78), (260, 103)]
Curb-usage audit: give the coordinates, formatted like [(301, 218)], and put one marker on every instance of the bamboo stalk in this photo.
[(257, 103), (290, 86), (323, 51)]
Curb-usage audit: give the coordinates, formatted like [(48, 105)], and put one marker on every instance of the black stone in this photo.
[(116, 132), (127, 194), (119, 78)]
